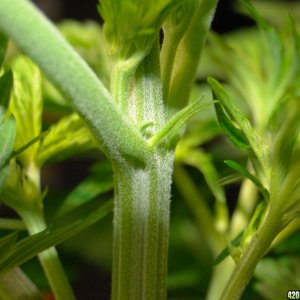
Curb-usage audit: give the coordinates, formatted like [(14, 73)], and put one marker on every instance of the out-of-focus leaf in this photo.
[(26, 105), (276, 276), (6, 82), (6, 244), (203, 162), (3, 45), (94, 185), (19, 189), (4, 171), (199, 133), (7, 139), (65, 138), (31, 246), (15, 285), (276, 11), (237, 167)]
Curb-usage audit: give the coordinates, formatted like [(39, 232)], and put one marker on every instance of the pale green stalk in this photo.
[(49, 259), (188, 55)]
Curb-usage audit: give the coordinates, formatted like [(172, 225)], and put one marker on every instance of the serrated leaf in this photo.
[(65, 138), (3, 45), (226, 252), (7, 139), (26, 105), (7, 243), (242, 170), (259, 148), (31, 246), (6, 82), (88, 189), (172, 128)]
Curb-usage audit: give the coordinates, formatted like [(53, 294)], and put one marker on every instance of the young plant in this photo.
[(137, 124)]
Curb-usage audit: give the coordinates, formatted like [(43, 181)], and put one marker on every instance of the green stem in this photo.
[(141, 229), (21, 21), (49, 259), (251, 256)]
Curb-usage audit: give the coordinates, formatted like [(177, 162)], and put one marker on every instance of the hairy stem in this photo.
[(141, 229), (39, 39)]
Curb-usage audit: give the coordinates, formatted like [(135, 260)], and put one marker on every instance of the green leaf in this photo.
[(237, 167), (3, 45), (65, 138), (259, 148), (131, 26), (31, 246), (226, 252), (89, 188), (6, 82), (26, 106), (7, 243), (172, 128), (7, 139), (232, 132)]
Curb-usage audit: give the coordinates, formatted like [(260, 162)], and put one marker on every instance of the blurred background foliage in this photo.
[(207, 195)]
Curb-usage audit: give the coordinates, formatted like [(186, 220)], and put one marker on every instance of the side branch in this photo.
[(39, 39)]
